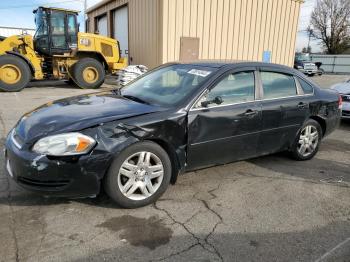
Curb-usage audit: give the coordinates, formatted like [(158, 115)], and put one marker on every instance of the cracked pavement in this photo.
[(265, 209)]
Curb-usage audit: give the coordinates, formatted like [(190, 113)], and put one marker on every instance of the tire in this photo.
[(137, 185), (70, 82), (15, 73), (88, 73), (312, 142)]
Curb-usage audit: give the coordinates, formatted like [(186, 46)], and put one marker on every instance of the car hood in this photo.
[(342, 88), (77, 113)]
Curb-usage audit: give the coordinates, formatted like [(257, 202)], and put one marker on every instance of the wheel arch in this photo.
[(99, 57), (175, 162), (321, 122)]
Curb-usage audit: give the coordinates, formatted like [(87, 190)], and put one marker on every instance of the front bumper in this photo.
[(68, 177), (346, 110), (309, 71)]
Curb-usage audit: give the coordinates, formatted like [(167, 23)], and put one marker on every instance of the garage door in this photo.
[(121, 30), (102, 25)]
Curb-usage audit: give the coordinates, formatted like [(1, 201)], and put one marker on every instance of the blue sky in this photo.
[(304, 20), (18, 13)]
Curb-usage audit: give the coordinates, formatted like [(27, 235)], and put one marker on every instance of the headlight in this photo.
[(64, 145)]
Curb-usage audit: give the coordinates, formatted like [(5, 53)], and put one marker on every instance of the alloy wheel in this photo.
[(308, 141), (140, 175)]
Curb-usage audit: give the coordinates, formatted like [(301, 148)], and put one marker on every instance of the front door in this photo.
[(225, 132)]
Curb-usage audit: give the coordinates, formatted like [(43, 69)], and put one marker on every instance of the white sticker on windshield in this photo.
[(197, 72)]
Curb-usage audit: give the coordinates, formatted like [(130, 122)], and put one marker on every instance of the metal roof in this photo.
[(57, 9), (103, 2)]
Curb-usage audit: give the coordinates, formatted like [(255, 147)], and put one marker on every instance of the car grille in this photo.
[(309, 67), (40, 183), (346, 98)]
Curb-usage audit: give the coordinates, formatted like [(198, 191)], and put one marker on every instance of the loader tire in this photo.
[(15, 73), (88, 73)]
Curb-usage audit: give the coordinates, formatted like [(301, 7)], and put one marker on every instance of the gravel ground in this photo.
[(266, 209)]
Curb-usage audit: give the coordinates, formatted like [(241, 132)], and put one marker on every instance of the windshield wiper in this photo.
[(136, 99)]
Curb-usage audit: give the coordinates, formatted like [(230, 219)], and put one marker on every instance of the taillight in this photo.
[(340, 102)]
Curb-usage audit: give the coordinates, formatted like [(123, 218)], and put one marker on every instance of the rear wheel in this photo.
[(308, 141), (139, 175), (14, 73), (88, 73)]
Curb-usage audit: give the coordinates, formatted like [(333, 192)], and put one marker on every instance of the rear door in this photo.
[(284, 109), (229, 131)]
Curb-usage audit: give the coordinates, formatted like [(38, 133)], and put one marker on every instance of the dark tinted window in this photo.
[(234, 88), (57, 29), (72, 31), (277, 85), (307, 88)]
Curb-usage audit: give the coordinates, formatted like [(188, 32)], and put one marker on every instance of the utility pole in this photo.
[(85, 18)]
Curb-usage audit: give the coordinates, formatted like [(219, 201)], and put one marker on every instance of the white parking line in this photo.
[(332, 250)]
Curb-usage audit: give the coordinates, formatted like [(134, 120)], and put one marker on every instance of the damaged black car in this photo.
[(135, 141)]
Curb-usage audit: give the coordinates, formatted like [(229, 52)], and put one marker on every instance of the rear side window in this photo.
[(307, 88), (276, 85)]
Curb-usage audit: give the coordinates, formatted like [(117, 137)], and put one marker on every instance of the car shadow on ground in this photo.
[(345, 125)]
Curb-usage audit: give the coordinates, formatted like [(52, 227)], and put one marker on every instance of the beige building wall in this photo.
[(144, 28), (144, 32), (231, 29), (104, 8), (227, 29)]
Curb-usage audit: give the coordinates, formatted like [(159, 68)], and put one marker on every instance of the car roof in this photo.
[(233, 63)]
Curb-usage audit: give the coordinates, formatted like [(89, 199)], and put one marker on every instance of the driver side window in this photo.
[(232, 89)]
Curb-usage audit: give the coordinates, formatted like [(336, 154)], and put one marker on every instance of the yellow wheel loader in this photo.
[(57, 51)]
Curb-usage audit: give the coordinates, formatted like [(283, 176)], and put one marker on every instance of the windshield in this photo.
[(167, 86), (40, 22), (303, 57)]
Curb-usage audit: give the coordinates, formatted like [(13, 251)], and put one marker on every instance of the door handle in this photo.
[(302, 105), (251, 112)]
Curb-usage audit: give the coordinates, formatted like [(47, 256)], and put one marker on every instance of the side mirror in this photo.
[(217, 100)]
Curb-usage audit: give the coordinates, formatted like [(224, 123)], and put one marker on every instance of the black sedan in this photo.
[(176, 118)]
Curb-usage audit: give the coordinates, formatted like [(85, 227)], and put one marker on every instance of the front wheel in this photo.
[(308, 141), (139, 175)]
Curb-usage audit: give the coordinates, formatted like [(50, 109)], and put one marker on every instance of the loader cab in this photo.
[(56, 31)]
